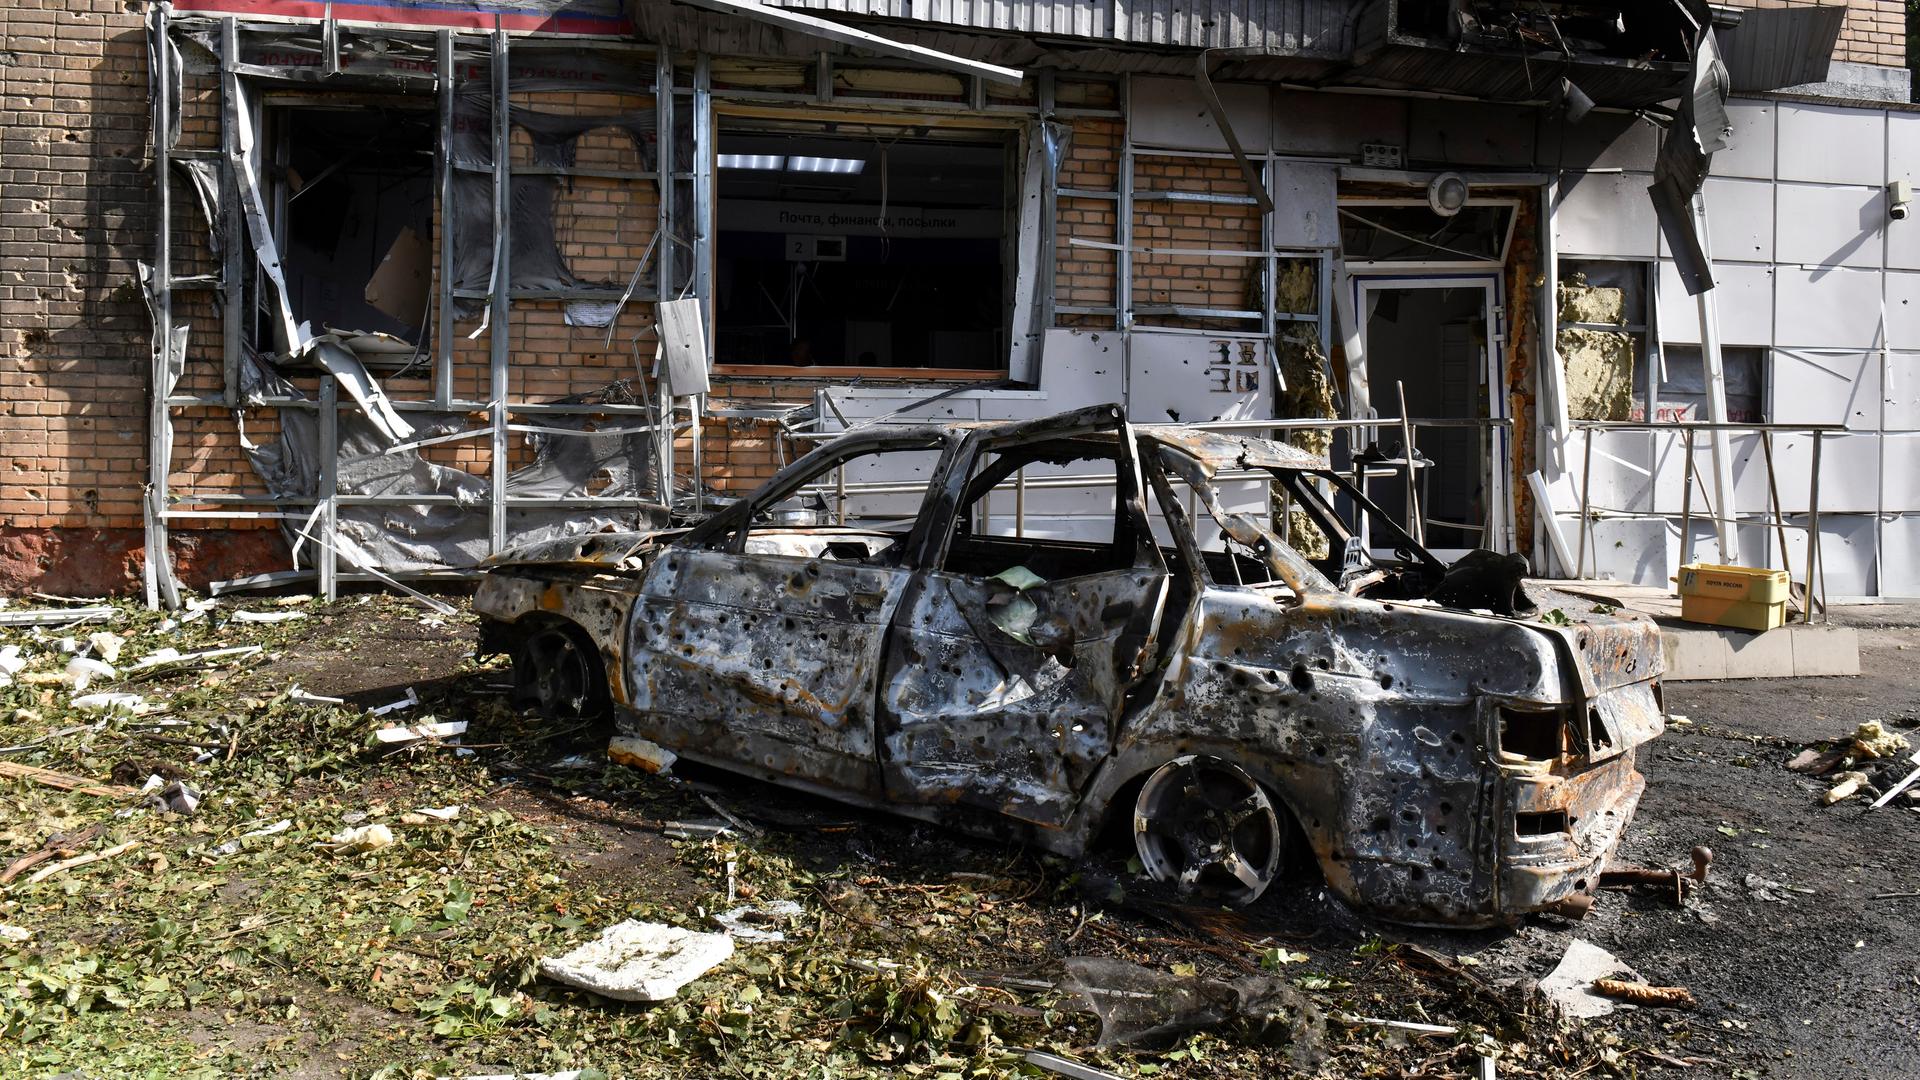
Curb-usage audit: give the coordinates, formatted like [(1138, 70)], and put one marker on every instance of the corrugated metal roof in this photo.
[(1314, 27)]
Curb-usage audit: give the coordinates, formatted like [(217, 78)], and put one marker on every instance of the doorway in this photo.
[(1435, 340)]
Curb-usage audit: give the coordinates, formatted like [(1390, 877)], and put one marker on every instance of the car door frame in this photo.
[(1051, 800), (695, 689)]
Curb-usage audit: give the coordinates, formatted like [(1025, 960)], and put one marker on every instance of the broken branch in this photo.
[(82, 860)]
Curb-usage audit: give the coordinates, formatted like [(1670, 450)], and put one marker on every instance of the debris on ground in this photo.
[(360, 839), (430, 730), (760, 923), (240, 843), (1140, 1006), (62, 781), (1872, 740), (1639, 993), (407, 702), (1570, 986), (640, 754), (639, 961), (1678, 884), (267, 616), (1849, 783)]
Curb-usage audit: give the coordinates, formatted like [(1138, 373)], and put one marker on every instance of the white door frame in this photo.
[(1498, 526)]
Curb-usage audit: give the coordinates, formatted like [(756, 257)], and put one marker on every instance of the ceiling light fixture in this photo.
[(753, 161), (843, 166)]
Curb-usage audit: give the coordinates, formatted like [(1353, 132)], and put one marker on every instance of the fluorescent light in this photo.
[(847, 166), (752, 161)]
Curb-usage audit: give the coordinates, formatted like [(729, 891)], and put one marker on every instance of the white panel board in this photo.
[(1849, 474), (1751, 154), (1903, 146), (1739, 220), (1644, 551), (1332, 123), (1606, 215), (1170, 113), (1828, 225), (1820, 387), (1082, 367), (1188, 378), (1832, 144), (1902, 394), (1902, 464), (1903, 242), (1903, 309), (1900, 562), (1828, 308), (1743, 293), (1303, 205), (1847, 546), (1467, 133)]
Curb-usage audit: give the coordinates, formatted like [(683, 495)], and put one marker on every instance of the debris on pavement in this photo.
[(360, 839), (1067, 1067), (1141, 1006), (239, 843), (267, 616), (436, 731), (1850, 783), (407, 702), (1639, 993), (639, 961), (760, 923), (1569, 986), (1872, 740), (62, 781), (640, 754), (1678, 884), (295, 693), (1903, 784)]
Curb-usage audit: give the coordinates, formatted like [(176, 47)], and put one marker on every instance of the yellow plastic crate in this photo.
[(1737, 596)]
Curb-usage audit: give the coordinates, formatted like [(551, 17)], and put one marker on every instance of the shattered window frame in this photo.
[(1443, 256)]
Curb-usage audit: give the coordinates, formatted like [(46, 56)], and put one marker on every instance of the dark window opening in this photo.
[(1086, 530), (863, 248), (353, 198), (1534, 736), (1390, 232), (1683, 390)]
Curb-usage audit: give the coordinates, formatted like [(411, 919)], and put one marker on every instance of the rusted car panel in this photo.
[(1443, 766)]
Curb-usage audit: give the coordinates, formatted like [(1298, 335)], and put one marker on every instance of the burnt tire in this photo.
[(1204, 826), (557, 672)]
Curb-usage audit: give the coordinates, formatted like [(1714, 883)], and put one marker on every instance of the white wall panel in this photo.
[(1743, 293), (1605, 214), (1902, 394), (1751, 154), (1847, 545), (1903, 309), (1902, 464), (1849, 474), (1828, 308), (1832, 144), (1903, 241), (1826, 225), (1303, 205), (1900, 555), (1739, 220), (1082, 367), (1601, 141), (1171, 113), (1812, 387), (1903, 146), (1190, 378)]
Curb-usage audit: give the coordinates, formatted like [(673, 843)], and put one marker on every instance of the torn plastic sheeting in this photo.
[(1140, 1005), (340, 362), (243, 162), (432, 535), (176, 343), (205, 177)]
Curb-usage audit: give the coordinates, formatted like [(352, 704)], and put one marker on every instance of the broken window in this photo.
[(1602, 337), (849, 246), (1083, 530), (1408, 230), (1683, 386), (353, 198)]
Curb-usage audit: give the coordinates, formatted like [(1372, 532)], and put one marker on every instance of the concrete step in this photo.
[(1714, 652)]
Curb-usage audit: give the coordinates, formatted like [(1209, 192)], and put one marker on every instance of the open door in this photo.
[(1012, 654)]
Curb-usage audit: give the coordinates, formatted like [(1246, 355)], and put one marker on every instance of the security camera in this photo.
[(1899, 199)]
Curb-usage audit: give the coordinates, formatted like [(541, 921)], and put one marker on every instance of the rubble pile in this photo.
[(1874, 763)]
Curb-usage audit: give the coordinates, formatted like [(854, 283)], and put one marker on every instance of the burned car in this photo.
[(1168, 666)]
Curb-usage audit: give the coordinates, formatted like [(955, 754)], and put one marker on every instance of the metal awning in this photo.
[(841, 34)]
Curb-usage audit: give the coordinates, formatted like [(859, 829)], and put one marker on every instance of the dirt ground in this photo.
[(922, 953)]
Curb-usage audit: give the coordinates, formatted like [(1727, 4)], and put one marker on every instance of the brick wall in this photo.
[(1875, 31), (74, 214)]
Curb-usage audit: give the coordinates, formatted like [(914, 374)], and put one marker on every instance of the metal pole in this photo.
[(1773, 505), (1716, 378), (663, 287), (703, 159), (443, 335), (328, 453), (497, 332), (1416, 522), (1813, 535), (1020, 502), (1686, 501), (233, 224), (1586, 503)]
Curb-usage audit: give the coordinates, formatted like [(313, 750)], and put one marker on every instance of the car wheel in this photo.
[(1204, 825), (558, 674)]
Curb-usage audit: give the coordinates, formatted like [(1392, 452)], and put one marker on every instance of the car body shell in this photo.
[(1443, 766)]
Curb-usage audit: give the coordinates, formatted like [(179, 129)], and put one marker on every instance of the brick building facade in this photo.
[(76, 337)]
